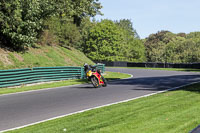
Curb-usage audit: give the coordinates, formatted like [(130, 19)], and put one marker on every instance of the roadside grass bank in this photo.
[(43, 56), (167, 69), (170, 112), (108, 76)]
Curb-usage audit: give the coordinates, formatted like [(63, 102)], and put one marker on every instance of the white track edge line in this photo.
[(77, 112)]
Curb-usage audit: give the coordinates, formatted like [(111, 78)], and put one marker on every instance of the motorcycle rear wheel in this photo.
[(105, 81)]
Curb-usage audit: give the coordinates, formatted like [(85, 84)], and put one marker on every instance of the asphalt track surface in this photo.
[(30, 107)]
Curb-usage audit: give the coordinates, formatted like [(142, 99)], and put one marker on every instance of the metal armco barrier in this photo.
[(41, 74), (101, 67), (151, 64)]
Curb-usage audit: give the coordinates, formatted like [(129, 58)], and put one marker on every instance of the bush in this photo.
[(21, 21), (66, 33)]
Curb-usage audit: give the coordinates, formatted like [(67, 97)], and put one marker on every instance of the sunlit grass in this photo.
[(44, 56)]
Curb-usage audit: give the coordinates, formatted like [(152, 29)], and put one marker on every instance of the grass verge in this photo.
[(108, 76), (169, 112), (43, 56), (167, 69)]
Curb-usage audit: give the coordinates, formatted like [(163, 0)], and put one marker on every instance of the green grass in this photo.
[(169, 112), (116, 75), (108, 76), (44, 56), (167, 69)]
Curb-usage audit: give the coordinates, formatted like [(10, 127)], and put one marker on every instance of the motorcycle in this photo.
[(94, 75)]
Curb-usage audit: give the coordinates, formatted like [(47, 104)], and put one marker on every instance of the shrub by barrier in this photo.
[(41, 74)]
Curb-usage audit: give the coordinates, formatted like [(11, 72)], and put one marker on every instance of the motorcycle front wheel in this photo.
[(95, 82)]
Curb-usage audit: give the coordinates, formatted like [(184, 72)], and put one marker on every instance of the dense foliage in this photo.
[(65, 33), (114, 41), (22, 21), (165, 46), (68, 23)]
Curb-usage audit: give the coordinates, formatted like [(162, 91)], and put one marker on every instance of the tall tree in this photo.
[(104, 41), (165, 46), (109, 41), (127, 25), (155, 46), (78, 9)]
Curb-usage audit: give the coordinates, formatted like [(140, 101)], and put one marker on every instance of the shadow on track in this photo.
[(84, 87), (159, 83)]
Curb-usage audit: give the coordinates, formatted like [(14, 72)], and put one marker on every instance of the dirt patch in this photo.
[(21, 59), (46, 50), (37, 51), (4, 58), (68, 61)]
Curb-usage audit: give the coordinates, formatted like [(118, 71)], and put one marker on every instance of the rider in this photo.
[(89, 67)]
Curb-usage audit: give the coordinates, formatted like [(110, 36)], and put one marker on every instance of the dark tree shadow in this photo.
[(85, 87), (193, 88), (192, 70), (110, 79), (161, 83)]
